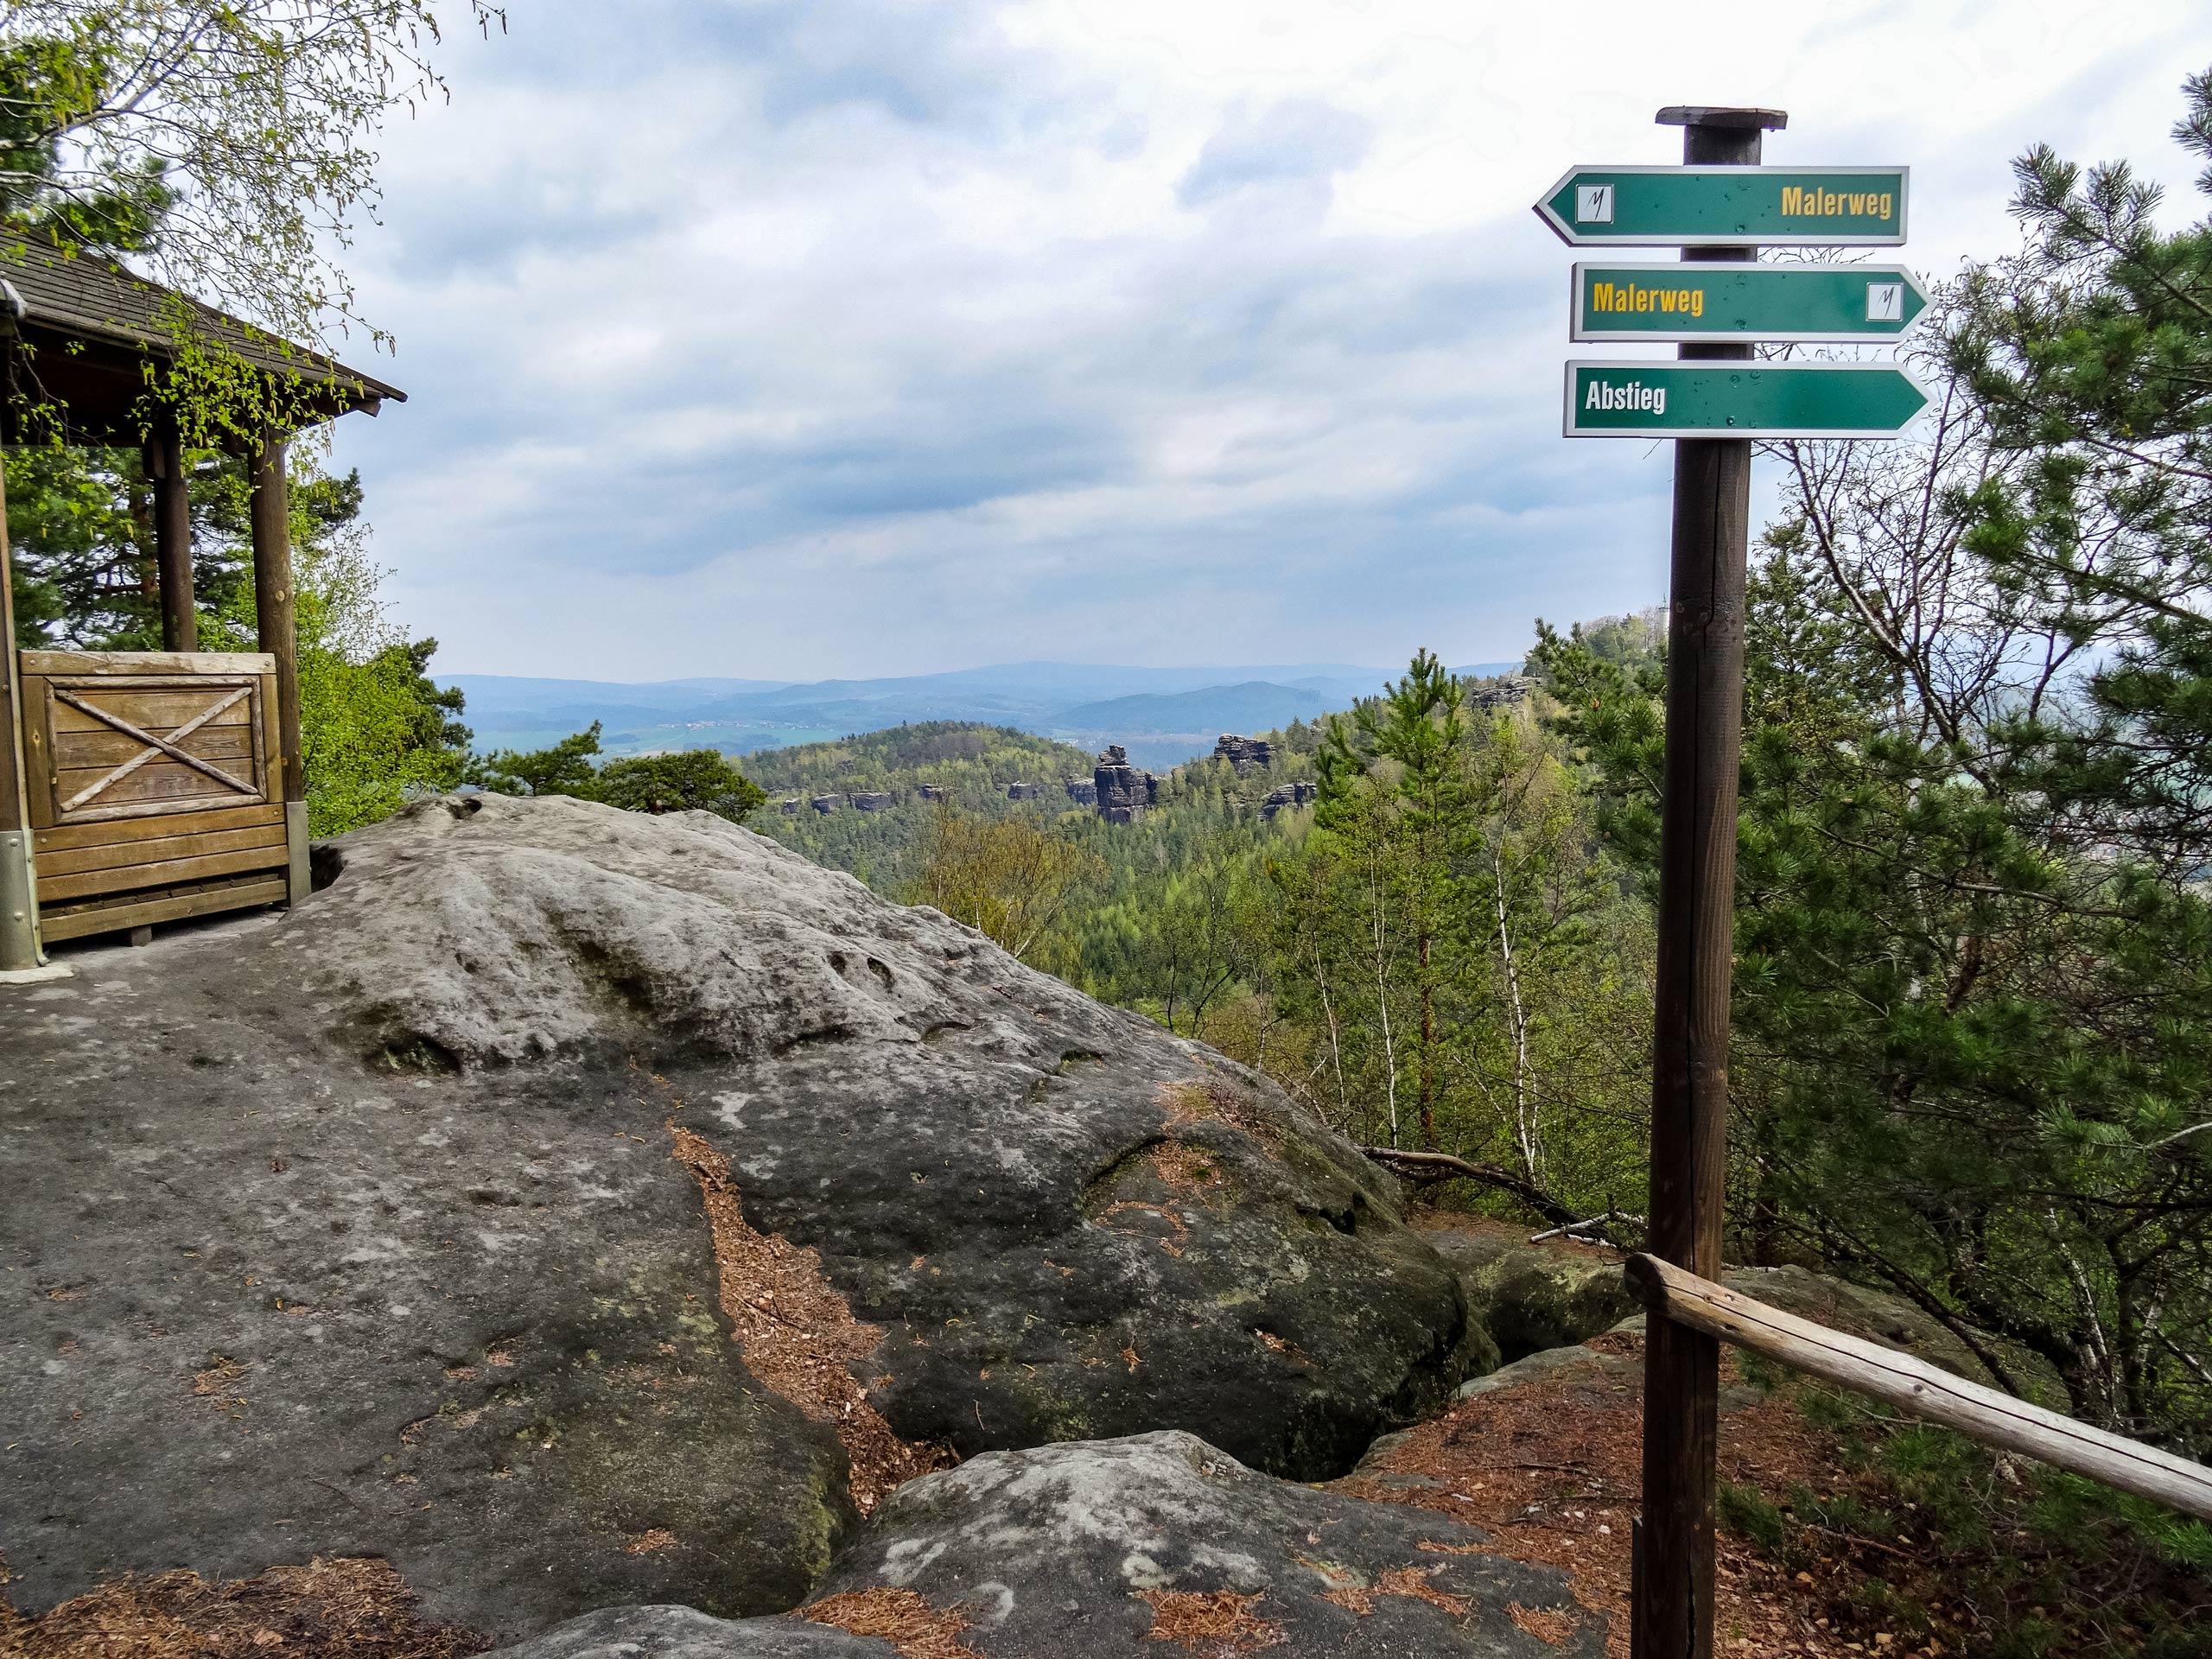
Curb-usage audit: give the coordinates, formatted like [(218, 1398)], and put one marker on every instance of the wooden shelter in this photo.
[(137, 787)]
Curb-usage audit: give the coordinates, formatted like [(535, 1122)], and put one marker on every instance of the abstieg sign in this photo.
[(1721, 399), (1602, 393)]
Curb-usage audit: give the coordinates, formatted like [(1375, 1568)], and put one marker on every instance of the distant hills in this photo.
[(1163, 715), (1256, 705)]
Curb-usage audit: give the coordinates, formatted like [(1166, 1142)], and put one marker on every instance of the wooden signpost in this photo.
[(1718, 206)]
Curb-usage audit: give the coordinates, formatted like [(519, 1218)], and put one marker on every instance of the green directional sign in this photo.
[(1659, 399), (1685, 206), (1664, 300)]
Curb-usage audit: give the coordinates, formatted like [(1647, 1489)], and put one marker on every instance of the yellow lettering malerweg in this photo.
[(1630, 298), (1798, 202)]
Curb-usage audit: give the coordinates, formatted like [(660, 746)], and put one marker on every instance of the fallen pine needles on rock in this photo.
[(798, 1336), (899, 1616), (1211, 1623), (336, 1609)]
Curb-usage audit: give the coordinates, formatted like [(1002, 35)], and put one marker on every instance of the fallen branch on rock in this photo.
[(1592, 1231), (1443, 1165)]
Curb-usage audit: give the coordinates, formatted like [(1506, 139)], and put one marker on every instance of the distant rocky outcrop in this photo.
[(826, 804), (881, 800), (1244, 753), (1295, 793), (1025, 792), (581, 1207), (1081, 791), (1124, 792), (1507, 693), (790, 805), (932, 792)]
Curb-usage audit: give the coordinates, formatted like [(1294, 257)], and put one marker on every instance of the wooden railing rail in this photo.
[(1924, 1391)]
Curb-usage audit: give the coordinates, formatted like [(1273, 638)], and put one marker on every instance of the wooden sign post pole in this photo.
[(1672, 1617)]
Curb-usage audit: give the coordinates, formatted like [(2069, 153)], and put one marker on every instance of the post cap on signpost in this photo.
[(1721, 115)]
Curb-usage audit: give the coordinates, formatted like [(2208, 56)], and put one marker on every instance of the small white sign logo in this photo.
[(1593, 204), (1885, 301)]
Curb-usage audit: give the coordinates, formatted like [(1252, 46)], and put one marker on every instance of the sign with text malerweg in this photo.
[(1692, 207), (1662, 399), (1663, 300)]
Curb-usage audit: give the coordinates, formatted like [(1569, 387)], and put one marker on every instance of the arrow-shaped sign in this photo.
[(1659, 399), (1660, 300), (1686, 206)]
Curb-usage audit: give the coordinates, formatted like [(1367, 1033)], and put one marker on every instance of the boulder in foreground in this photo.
[(1104, 1550)]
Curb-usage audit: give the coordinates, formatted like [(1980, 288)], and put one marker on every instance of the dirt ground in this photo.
[(1551, 1469)]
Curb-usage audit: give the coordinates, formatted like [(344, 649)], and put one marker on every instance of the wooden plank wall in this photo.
[(167, 841)]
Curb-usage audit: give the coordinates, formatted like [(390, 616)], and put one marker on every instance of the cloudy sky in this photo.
[(859, 337)]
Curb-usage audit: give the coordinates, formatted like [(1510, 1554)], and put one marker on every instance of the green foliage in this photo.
[(50, 85), (1995, 1554), (1458, 948), (1973, 980), (695, 780), (375, 730), (969, 765), (563, 768), (374, 733), (230, 144), (1747, 1510), (1007, 877)]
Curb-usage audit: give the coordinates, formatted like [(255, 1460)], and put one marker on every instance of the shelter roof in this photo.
[(95, 330)]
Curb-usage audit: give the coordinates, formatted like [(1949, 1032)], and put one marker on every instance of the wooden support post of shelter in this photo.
[(143, 787), (276, 613), (1673, 1542), (165, 465)]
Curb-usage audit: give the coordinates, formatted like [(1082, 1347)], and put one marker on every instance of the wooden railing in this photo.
[(1926, 1391)]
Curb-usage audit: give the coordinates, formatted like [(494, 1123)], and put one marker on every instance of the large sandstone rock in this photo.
[(1529, 1298), (358, 1230), (671, 1630), (1124, 793), (1538, 1301), (263, 1302), (1103, 1550)]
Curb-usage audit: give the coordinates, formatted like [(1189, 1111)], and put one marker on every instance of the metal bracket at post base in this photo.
[(21, 962)]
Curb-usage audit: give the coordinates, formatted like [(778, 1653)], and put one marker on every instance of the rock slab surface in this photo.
[(356, 1231), (1144, 1546)]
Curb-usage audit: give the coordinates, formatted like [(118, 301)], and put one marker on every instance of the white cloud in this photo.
[(794, 340)]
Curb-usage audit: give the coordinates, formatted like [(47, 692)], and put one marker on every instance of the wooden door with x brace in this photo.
[(154, 786)]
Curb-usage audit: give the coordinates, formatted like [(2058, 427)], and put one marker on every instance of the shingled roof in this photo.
[(109, 323)]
